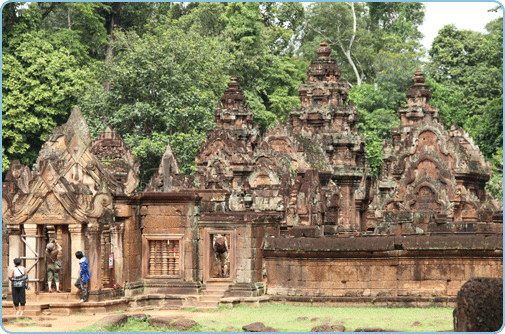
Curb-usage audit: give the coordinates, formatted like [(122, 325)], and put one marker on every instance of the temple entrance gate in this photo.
[(210, 271)]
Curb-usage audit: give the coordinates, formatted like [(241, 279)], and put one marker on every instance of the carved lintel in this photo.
[(75, 228), (13, 229)]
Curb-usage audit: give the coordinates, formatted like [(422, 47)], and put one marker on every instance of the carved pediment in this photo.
[(225, 144)]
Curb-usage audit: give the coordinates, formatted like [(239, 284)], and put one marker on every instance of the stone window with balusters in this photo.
[(164, 257)]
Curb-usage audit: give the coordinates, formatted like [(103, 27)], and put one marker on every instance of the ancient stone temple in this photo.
[(432, 180), (301, 216)]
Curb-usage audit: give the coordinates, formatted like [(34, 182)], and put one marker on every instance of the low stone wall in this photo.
[(381, 266)]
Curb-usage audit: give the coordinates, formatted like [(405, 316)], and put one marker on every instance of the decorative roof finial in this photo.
[(419, 78), (324, 50)]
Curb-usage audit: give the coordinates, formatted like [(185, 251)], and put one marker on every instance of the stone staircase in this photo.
[(31, 310), (212, 294), (37, 304)]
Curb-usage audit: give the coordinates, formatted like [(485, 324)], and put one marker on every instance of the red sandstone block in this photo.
[(453, 287), (344, 272), (161, 223), (122, 210), (408, 288), (434, 287), (386, 284), (404, 272), (380, 273), (364, 273), (357, 285), (166, 210), (315, 273)]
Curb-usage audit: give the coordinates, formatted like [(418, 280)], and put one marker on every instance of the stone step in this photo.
[(211, 298), (46, 297), (204, 303), (205, 308), (30, 309), (217, 286), (213, 293)]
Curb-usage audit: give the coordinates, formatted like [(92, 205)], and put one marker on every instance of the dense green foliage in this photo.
[(155, 71), (470, 65), (163, 88), (41, 82)]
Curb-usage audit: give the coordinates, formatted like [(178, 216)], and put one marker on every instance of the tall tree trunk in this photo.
[(114, 20), (347, 51)]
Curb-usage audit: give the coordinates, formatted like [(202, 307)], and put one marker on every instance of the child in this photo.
[(82, 281)]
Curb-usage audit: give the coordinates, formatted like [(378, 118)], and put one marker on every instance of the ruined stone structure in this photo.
[(297, 206)]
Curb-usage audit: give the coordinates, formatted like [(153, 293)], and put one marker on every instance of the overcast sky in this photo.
[(464, 15)]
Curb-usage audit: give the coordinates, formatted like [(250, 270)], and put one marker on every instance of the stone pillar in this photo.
[(16, 248), (116, 240), (94, 255), (77, 244), (31, 253), (347, 207)]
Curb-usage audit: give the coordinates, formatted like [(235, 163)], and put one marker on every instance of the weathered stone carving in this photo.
[(110, 149), (168, 177), (429, 174), (67, 175)]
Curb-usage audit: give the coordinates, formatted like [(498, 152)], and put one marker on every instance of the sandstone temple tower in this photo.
[(430, 176)]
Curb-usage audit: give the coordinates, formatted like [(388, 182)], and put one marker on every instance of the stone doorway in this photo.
[(62, 236), (210, 267)]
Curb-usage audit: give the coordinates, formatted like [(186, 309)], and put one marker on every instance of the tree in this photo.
[(362, 33), (163, 89), (343, 26), (470, 63), (259, 36), (374, 122), (40, 84)]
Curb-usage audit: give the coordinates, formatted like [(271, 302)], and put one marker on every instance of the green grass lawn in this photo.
[(287, 318)]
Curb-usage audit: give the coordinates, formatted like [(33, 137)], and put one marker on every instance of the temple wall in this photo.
[(132, 242), (347, 270), (160, 244), (246, 238)]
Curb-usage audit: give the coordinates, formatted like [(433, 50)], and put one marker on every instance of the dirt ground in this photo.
[(61, 323)]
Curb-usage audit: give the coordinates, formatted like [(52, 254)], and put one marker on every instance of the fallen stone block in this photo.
[(183, 324), (322, 328), (479, 305), (269, 329), (254, 327), (160, 321), (114, 319), (338, 328), (369, 329)]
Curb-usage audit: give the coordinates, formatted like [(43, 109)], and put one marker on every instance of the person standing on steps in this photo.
[(16, 275), (220, 246), (82, 281), (53, 265)]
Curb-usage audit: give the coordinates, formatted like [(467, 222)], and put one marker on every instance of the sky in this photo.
[(464, 15)]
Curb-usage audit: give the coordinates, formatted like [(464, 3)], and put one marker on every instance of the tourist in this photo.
[(53, 265), (220, 246), (82, 281), (18, 279)]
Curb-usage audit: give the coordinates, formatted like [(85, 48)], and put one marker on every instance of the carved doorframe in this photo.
[(208, 253)]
